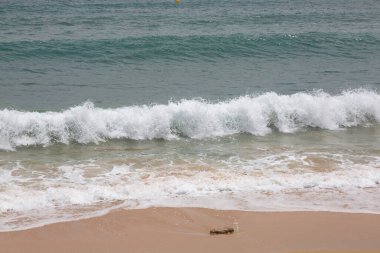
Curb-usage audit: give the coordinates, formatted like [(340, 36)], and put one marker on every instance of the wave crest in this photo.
[(194, 47), (254, 114)]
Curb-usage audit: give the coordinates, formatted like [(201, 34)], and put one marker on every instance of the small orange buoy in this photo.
[(177, 1)]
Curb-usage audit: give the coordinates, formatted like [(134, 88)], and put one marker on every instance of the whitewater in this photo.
[(254, 114), (270, 151)]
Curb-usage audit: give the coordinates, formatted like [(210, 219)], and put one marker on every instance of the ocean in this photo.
[(267, 105)]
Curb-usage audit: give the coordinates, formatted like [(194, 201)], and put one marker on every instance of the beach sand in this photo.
[(187, 230)]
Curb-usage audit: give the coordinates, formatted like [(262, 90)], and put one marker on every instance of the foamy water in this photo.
[(256, 115), (32, 196), (306, 151)]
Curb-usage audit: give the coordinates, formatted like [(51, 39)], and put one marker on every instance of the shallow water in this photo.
[(312, 170)]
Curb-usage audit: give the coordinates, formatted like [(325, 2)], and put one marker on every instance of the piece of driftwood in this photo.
[(221, 231)]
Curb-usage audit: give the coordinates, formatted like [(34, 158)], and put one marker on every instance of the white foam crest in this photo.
[(257, 115)]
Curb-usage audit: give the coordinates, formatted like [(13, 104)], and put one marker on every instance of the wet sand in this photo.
[(187, 230)]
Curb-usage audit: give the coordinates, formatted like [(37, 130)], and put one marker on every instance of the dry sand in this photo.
[(187, 230)]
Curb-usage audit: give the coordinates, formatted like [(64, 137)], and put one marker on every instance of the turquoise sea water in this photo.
[(248, 104), (57, 54)]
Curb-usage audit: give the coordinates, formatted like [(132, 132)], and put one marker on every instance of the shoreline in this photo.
[(187, 230)]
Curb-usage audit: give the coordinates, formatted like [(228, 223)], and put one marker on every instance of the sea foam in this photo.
[(254, 114), (86, 189)]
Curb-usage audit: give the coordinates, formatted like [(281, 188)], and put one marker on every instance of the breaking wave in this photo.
[(254, 114)]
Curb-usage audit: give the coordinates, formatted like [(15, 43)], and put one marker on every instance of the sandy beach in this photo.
[(187, 230)]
